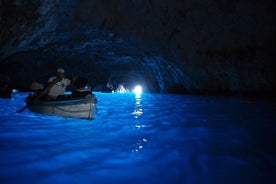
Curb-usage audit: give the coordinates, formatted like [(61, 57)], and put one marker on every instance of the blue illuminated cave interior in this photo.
[(185, 91), (169, 46)]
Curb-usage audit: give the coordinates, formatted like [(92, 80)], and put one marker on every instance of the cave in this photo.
[(215, 47), (203, 108)]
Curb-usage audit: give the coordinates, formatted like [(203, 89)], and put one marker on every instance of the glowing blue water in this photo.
[(157, 138)]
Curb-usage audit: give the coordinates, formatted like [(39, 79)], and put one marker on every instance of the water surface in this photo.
[(155, 138)]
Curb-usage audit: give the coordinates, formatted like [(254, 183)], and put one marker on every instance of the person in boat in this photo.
[(36, 87), (108, 88), (72, 86), (83, 89), (59, 87)]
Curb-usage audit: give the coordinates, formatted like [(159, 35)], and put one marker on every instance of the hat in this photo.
[(60, 70)]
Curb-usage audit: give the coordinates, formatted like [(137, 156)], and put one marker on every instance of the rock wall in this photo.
[(169, 46)]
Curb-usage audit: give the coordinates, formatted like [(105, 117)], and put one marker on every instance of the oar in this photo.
[(40, 94)]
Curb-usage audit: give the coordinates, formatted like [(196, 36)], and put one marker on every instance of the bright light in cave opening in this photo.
[(137, 90)]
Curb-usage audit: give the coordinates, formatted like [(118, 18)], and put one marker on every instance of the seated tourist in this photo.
[(82, 88), (59, 84), (36, 88)]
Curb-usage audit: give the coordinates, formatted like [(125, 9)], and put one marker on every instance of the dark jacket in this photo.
[(79, 93)]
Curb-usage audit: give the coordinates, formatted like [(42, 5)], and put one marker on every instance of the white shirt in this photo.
[(59, 88)]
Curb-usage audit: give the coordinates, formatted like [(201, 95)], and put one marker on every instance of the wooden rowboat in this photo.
[(74, 108)]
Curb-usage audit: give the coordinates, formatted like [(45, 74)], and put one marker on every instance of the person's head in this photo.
[(81, 82), (35, 86), (60, 72)]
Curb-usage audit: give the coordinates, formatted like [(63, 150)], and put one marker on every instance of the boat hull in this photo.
[(76, 108)]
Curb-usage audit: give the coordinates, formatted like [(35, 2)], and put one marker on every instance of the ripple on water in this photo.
[(156, 138)]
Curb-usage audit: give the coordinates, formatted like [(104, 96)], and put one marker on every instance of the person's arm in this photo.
[(68, 82), (53, 80)]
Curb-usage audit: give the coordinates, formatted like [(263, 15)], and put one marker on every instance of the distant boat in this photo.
[(73, 108)]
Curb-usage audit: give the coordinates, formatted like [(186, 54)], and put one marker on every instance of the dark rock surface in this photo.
[(215, 46)]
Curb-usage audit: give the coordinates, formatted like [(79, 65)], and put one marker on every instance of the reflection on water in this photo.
[(138, 107), (139, 145), (152, 138)]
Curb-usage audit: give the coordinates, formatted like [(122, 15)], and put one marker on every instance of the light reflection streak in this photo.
[(138, 107)]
